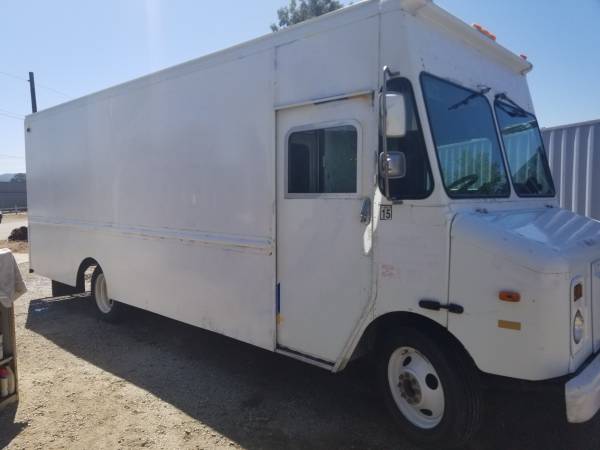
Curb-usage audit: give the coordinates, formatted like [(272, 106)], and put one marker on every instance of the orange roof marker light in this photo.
[(509, 296), (484, 31)]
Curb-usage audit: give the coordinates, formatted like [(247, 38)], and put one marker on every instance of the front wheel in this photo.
[(431, 388), (108, 309)]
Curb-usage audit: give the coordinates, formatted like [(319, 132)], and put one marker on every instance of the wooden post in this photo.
[(7, 328), (32, 90)]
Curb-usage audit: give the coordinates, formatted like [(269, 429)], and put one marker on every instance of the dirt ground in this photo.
[(17, 247), (155, 383)]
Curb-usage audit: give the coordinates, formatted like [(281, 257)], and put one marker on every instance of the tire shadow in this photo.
[(9, 429)]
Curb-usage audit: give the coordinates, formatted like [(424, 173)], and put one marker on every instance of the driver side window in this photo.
[(418, 182)]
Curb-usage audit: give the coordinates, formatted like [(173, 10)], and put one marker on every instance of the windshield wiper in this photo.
[(482, 91), (517, 112)]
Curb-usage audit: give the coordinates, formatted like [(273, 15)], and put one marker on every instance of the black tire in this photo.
[(118, 311), (461, 389)]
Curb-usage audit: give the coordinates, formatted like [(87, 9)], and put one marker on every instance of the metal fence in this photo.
[(574, 157), (13, 196), (465, 158)]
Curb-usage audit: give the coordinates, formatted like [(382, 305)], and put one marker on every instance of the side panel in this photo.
[(412, 259), (340, 61), (505, 338), (171, 187)]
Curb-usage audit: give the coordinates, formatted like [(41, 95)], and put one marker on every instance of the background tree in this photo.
[(295, 13)]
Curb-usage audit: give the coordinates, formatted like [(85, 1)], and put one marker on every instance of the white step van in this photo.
[(372, 180)]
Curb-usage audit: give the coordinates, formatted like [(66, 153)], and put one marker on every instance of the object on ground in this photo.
[(8, 363), (11, 282), (18, 234), (11, 288)]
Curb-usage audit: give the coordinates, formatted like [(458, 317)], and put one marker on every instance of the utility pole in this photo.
[(32, 90)]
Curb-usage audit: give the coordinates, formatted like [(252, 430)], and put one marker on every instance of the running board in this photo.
[(305, 358)]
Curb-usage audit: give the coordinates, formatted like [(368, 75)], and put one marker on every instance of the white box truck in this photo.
[(354, 184)]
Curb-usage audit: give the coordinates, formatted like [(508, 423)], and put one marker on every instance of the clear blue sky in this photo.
[(77, 47)]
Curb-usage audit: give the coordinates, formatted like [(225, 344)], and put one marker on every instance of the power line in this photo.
[(53, 90), (43, 86), (6, 111), (10, 116), (16, 77), (2, 155)]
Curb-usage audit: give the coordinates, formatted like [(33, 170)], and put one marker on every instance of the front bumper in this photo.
[(582, 393)]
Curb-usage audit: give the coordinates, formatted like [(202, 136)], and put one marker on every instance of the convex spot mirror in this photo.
[(396, 113), (395, 166)]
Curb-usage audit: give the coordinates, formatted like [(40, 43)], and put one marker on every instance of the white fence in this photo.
[(465, 158)]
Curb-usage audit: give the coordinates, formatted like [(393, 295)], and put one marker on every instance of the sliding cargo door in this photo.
[(325, 155)]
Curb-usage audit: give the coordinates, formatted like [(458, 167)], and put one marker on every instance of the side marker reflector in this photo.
[(508, 325), (509, 296)]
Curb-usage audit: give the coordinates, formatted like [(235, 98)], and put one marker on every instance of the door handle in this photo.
[(434, 305), (365, 212)]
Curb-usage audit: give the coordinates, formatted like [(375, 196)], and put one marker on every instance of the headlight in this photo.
[(578, 327)]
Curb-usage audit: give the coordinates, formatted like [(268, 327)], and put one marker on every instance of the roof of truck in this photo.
[(425, 9)]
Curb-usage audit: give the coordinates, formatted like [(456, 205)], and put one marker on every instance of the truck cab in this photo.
[(470, 236)]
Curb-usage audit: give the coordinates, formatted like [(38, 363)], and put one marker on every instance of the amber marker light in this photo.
[(509, 296), (483, 31)]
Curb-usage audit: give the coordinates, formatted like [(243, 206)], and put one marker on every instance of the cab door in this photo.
[(325, 180)]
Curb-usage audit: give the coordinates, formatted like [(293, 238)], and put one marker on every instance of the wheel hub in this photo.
[(410, 390)]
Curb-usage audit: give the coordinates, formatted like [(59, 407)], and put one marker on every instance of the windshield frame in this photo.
[(544, 154), (449, 193)]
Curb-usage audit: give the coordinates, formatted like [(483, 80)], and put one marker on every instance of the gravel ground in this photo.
[(156, 383)]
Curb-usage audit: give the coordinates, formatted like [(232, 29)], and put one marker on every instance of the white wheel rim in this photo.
[(416, 387), (104, 303)]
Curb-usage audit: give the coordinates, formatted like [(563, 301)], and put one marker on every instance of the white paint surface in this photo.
[(173, 183)]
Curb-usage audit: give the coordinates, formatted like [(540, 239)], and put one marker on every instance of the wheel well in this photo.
[(382, 326), (83, 267)]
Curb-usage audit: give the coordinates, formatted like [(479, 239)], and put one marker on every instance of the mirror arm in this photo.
[(387, 74)]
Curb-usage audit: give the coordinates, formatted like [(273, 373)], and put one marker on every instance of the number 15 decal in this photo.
[(386, 212)]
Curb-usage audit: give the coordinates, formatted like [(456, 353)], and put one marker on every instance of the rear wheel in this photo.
[(431, 388), (108, 309)]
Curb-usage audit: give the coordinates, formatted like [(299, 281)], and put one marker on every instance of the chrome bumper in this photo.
[(582, 393)]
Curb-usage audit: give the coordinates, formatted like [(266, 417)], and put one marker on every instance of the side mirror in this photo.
[(396, 114), (395, 166)]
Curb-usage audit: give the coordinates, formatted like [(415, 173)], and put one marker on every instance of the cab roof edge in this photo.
[(428, 9)]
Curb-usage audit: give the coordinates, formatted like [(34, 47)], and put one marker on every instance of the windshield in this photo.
[(466, 141), (524, 151)]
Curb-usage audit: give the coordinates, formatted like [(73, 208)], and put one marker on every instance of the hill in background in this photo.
[(7, 177)]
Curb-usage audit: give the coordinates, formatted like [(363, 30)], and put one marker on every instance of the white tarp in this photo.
[(11, 283)]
